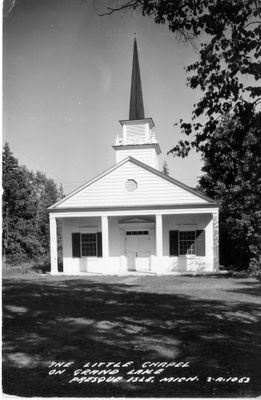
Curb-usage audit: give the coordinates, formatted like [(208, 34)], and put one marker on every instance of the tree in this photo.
[(232, 176), (230, 52), (10, 171), (26, 197), (19, 207), (47, 193)]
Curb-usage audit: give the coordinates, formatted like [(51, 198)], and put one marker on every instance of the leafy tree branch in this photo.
[(230, 52)]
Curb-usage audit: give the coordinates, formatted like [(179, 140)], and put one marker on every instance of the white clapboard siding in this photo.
[(110, 190), (147, 156)]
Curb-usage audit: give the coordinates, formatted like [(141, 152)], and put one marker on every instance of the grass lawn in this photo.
[(213, 324)]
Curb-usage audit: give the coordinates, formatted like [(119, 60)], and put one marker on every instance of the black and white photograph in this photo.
[(131, 198)]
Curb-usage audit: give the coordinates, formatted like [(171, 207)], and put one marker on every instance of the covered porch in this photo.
[(137, 241)]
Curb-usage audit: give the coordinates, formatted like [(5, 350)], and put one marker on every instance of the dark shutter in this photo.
[(173, 243), (99, 244), (76, 245), (200, 243)]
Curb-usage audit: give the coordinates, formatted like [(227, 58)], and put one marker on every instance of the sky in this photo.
[(66, 85)]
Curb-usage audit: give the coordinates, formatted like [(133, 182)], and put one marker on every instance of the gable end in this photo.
[(112, 181)]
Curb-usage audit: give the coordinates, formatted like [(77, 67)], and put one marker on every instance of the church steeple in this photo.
[(138, 138), (136, 100)]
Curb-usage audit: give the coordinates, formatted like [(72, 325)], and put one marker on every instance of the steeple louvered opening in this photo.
[(137, 132)]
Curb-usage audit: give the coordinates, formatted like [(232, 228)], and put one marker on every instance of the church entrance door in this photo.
[(138, 250)]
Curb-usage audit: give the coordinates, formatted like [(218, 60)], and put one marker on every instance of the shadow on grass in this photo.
[(249, 288), (80, 320)]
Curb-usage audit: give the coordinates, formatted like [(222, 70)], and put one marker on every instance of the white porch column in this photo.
[(53, 245), (215, 222), (105, 236), (159, 235)]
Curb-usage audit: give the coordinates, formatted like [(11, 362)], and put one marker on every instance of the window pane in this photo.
[(89, 244), (128, 233), (187, 242)]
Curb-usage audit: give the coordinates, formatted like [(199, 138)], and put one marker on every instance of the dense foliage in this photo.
[(232, 176), (26, 196), (228, 64)]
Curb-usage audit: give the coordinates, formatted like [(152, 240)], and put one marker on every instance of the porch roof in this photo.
[(134, 211)]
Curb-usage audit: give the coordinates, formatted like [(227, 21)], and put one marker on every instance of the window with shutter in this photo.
[(87, 244), (187, 242)]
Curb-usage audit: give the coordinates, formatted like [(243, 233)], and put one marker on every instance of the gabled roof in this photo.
[(142, 165), (174, 181)]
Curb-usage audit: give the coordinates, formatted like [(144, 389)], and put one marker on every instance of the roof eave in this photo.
[(139, 146), (147, 120)]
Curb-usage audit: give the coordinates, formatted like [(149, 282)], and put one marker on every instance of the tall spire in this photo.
[(136, 100)]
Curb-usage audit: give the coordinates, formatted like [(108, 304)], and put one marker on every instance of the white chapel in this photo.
[(132, 218)]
